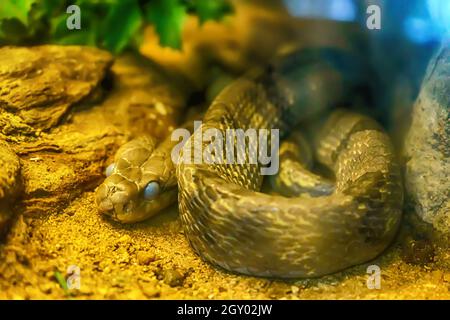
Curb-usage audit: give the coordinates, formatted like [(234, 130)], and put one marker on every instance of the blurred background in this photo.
[(410, 31), (211, 41)]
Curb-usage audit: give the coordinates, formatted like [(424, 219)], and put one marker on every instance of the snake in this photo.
[(324, 218)]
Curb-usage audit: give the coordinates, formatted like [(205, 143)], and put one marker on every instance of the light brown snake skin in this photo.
[(230, 223)]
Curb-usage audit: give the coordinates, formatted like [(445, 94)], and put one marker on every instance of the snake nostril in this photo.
[(116, 192), (104, 204)]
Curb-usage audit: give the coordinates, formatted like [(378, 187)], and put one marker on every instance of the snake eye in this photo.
[(151, 190), (110, 169)]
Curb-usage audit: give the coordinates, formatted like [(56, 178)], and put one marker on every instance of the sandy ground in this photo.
[(153, 260)]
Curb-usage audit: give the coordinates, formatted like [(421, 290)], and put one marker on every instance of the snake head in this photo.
[(139, 183), (127, 202), (114, 197), (134, 189)]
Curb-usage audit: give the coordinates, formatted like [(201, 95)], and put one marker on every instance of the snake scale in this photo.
[(229, 221)]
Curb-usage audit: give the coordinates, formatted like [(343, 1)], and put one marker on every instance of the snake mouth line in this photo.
[(139, 209)]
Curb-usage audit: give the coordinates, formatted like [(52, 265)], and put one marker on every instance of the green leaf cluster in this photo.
[(111, 24)]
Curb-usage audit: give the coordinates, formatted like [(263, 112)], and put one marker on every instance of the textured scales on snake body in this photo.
[(230, 223)]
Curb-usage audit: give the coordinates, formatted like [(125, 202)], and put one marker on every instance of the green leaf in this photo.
[(58, 26), (78, 37), (18, 9), (62, 281), (60, 34), (211, 9), (49, 7), (13, 31), (168, 17), (122, 22), (112, 24)]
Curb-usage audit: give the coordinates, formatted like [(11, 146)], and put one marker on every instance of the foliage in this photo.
[(111, 24)]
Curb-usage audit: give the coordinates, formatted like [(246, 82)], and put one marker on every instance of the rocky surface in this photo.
[(427, 145), (64, 111), (39, 85), (10, 183)]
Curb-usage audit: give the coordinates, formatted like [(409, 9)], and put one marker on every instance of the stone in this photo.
[(173, 278), (40, 84), (64, 111), (151, 292), (427, 146), (10, 183), (144, 257)]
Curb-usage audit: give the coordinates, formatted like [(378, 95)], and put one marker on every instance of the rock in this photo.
[(295, 289), (134, 294), (276, 291), (427, 146), (150, 290), (10, 183), (173, 278), (446, 277), (9, 172), (40, 84), (47, 288), (222, 289), (118, 283), (123, 259), (144, 257), (437, 276), (125, 241), (64, 111)]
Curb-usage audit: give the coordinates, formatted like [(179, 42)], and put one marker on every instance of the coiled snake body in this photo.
[(324, 226)]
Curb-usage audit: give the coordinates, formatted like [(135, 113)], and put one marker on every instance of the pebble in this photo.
[(47, 288), (437, 276), (11, 257), (134, 294), (294, 290), (84, 290), (276, 291), (173, 278), (151, 292), (31, 291), (123, 259), (118, 283), (447, 277), (70, 212), (144, 257), (125, 239)]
